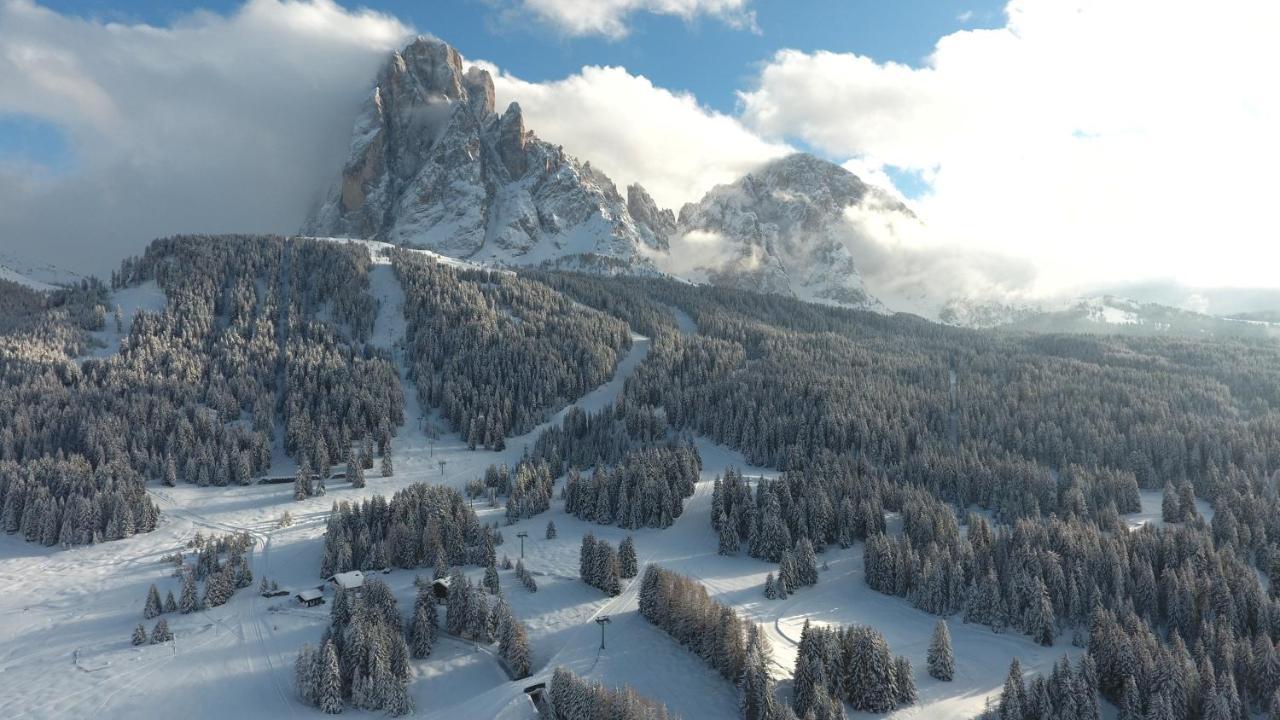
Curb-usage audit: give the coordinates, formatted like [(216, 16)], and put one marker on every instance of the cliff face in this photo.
[(433, 165)]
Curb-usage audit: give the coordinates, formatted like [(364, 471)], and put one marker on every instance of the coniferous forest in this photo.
[(981, 478)]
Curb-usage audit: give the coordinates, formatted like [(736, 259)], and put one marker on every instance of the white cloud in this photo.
[(215, 123), (635, 131), (1106, 140), (609, 18)]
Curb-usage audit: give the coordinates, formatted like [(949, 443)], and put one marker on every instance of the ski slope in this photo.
[(66, 616)]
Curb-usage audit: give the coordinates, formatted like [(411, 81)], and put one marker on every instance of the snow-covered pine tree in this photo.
[(170, 605), (787, 571), (755, 687), (627, 558), (161, 633), (139, 635), (942, 662), (153, 607), (1040, 619), (869, 671), (491, 581), (551, 530), (587, 560), (1013, 697), (387, 468), (478, 617), (728, 536), (459, 598), (422, 631), (327, 692), (904, 680), (190, 599), (770, 588), (806, 563), (302, 674), (302, 482)]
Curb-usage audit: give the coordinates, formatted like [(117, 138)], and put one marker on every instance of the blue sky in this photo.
[(705, 57)]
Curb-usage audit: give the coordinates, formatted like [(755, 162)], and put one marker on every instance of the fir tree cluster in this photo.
[(421, 525), (67, 501), (362, 659), (1068, 693), (647, 489), (680, 607), (572, 698), (599, 567), (525, 577), (853, 664)]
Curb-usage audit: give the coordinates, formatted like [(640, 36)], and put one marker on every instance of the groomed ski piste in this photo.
[(66, 615)]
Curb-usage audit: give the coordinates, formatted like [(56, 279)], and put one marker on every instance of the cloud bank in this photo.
[(609, 18), (1104, 140), (214, 124), (637, 132)]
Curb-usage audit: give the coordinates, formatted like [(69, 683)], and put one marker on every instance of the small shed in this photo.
[(440, 588), (350, 580), (311, 597), (537, 694)]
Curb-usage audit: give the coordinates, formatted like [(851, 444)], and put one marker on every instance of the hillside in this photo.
[(1046, 496)]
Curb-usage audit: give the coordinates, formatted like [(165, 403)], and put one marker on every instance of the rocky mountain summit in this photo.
[(785, 230), (433, 165)]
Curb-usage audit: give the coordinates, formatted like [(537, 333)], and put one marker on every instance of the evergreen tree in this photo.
[(422, 631), (942, 662), (491, 581), (551, 530), (153, 607), (303, 674), (755, 687), (170, 605), (904, 680), (627, 558), (161, 633), (770, 587), (1041, 620), (190, 600), (328, 689), (728, 536), (806, 563), (139, 635), (1013, 698), (587, 560)]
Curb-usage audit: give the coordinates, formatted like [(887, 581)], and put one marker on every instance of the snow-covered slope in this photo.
[(433, 165), (35, 276), (785, 230)]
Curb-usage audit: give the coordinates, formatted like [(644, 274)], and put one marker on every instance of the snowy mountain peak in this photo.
[(431, 165), (786, 230)]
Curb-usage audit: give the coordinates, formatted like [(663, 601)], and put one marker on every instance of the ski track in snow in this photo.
[(66, 616)]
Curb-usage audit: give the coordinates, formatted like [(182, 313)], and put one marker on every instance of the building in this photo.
[(351, 580), (440, 588), (311, 597)]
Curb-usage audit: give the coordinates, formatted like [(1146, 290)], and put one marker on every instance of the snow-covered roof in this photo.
[(442, 581), (310, 594), (349, 580)]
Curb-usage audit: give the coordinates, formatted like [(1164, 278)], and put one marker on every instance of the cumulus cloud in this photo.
[(609, 18), (636, 131), (1105, 140), (212, 124)]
